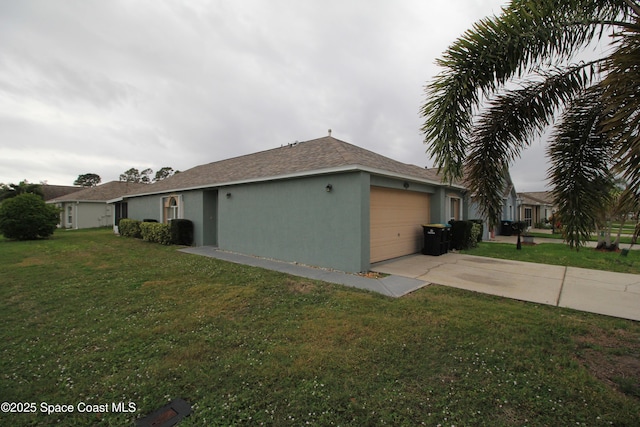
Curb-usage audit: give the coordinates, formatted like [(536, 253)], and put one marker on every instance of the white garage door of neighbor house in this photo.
[(396, 222)]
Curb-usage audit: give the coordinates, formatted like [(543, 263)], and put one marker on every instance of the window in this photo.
[(528, 216), (69, 215), (171, 208), (454, 209)]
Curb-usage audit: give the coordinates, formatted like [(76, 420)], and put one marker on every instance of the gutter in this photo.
[(316, 172)]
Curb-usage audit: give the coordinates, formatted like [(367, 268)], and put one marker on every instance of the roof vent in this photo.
[(292, 144), (329, 132)]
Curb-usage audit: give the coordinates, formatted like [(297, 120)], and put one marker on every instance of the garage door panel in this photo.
[(396, 222)]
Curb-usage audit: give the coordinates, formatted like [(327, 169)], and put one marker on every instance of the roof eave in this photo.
[(315, 172)]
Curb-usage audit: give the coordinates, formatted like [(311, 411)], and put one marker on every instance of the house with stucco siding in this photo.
[(323, 202), (87, 207)]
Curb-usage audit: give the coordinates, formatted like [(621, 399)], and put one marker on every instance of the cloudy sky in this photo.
[(94, 86)]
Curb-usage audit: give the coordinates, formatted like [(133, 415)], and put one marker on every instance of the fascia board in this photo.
[(316, 172)]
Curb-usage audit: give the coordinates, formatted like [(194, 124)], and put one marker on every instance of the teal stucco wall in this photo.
[(145, 207), (297, 220)]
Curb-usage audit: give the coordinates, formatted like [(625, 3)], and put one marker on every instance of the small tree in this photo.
[(88, 180), (27, 217), (518, 228)]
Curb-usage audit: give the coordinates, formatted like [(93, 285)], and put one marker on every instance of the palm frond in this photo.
[(621, 92), (495, 50), (508, 125), (580, 173)]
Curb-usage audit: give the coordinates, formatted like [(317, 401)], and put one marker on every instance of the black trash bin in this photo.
[(436, 239), (505, 228)]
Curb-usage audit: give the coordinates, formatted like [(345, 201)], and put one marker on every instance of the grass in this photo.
[(90, 317), (623, 239), (558, 254)]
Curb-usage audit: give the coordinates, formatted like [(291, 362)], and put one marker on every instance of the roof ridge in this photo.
[(340, 148)]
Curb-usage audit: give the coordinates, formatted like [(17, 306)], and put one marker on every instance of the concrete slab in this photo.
[(602, 292), (537, 283)]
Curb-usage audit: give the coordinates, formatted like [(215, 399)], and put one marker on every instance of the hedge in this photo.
[(156, 232), (464, 234), (177, 232), (129, 228)]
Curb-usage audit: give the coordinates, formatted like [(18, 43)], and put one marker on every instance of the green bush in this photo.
[(156, 232), (181, 232), (465, 234), (28, 217), (480, 223), (476, 235), (129, 228)]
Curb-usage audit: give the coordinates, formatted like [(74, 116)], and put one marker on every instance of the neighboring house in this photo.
[(322, 202), (536, 207), (508, 209), (87, 207)]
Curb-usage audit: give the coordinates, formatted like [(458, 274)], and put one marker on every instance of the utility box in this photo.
[(436, 239)]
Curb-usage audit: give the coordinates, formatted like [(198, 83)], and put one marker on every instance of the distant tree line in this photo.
[(134, 175), (147, 176), (8, 191), (130, 175)]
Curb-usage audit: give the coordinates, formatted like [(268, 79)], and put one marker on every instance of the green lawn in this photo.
[(90, 317), (559, 254)]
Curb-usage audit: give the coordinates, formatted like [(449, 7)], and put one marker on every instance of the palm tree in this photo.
[(512, 76)]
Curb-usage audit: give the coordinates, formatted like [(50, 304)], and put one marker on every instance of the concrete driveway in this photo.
[(602, 292)]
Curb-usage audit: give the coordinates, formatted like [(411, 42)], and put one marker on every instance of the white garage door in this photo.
[(396, 222)]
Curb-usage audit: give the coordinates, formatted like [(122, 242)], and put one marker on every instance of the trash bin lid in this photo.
[(434, 225)]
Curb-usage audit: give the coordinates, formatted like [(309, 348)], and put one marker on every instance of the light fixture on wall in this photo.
[(405, 185), (329, 187), (228, 195)]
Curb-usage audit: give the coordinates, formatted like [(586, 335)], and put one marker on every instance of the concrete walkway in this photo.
[(392, 286), (612, 294), (602, 292)]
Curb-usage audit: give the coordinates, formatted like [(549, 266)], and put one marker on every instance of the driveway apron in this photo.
[(602, 292)]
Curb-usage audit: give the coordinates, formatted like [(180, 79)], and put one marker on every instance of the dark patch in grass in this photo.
[(613, 357)]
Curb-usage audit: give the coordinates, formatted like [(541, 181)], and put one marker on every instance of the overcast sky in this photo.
[(95, 86)]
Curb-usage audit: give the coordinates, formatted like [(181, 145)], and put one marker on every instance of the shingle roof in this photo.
[(317, 155), (537, 197), (52, 191), (102, 193)]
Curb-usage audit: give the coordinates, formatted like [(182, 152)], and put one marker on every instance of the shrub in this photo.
[(461, 235), (480, 224), (156, 232), (129, 228), (476, 235), (27, 217), (181, 232)]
